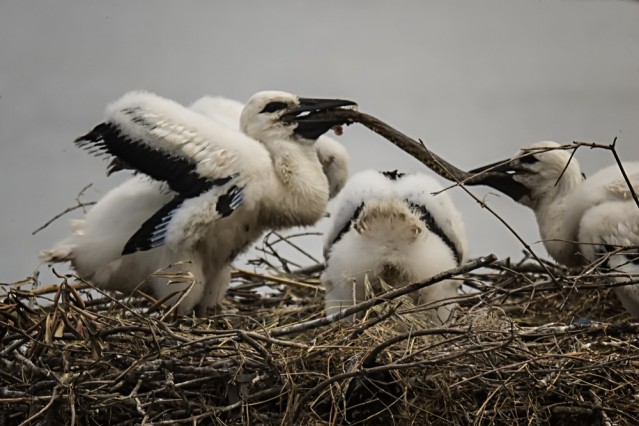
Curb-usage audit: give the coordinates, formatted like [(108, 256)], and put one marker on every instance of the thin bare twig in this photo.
[(79, 205), (384, 297)]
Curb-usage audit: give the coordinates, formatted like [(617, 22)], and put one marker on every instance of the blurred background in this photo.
[(474, 80)]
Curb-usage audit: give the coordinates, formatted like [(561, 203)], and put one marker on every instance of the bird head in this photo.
[(538, 172), (280, 115)]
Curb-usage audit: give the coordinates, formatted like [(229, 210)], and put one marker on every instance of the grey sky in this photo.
[(474, 80)]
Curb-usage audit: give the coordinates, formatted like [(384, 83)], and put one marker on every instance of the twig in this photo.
[(623, 171), (613, 148), (287, 240), (383, 368), (412, 147), (79, 205), (279, 280), (44, 409), (309, 270), (389, 295)]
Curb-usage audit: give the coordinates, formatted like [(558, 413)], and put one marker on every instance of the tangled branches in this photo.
[(524, 348)]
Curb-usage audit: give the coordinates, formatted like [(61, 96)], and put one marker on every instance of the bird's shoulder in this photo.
[(361, 187), (622, 188), (609, 184), (436, 208)]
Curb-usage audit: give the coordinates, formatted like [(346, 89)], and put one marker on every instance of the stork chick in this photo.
[(579, 219), (209, 192), (389, 226), (332, 155)]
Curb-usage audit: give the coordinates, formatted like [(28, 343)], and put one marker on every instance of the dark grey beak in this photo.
[(501, 176), (313, 116)]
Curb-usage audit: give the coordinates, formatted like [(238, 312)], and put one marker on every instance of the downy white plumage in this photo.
[(208, 192), (579, 219), (332, 155), (390, 226)]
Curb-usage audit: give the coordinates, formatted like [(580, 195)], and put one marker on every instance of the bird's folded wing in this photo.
[(168, 142), (620, 187), (363, 186), (189, 228), (436, 210)]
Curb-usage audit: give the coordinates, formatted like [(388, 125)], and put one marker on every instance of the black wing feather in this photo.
[(228, 202), (178, 172), (429, 221), (347, 225), (153, 231), (393, 174)]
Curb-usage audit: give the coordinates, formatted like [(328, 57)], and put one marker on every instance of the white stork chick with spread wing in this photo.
[(209, 191), (390, 226), (579, 219), (332, 154)]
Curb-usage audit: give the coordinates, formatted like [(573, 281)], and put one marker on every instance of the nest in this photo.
[(531, 344)]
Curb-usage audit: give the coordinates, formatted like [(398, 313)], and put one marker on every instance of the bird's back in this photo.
[(603, 210), (390, 227)]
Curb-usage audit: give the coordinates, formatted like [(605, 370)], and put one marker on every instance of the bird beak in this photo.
[(313, 116), (501, 176)]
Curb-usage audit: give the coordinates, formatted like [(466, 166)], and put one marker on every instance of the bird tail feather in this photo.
[(57, 254)]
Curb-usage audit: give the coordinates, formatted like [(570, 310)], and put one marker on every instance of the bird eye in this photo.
[(529, 159), (274, 106)]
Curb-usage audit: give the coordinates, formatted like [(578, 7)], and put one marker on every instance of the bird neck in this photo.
[(559, 231), (301, 186)]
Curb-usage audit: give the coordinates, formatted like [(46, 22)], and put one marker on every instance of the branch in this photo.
[(409, 145), (79, 205), (612, 147), (384, 297)]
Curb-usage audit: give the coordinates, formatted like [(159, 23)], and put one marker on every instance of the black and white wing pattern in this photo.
[(436, 210), (200, 160), (364, 186)]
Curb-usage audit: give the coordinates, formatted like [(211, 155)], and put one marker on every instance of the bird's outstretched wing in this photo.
[(167, 142), (197, 158)]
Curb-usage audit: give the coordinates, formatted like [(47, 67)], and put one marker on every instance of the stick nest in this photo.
[(523, 349)]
